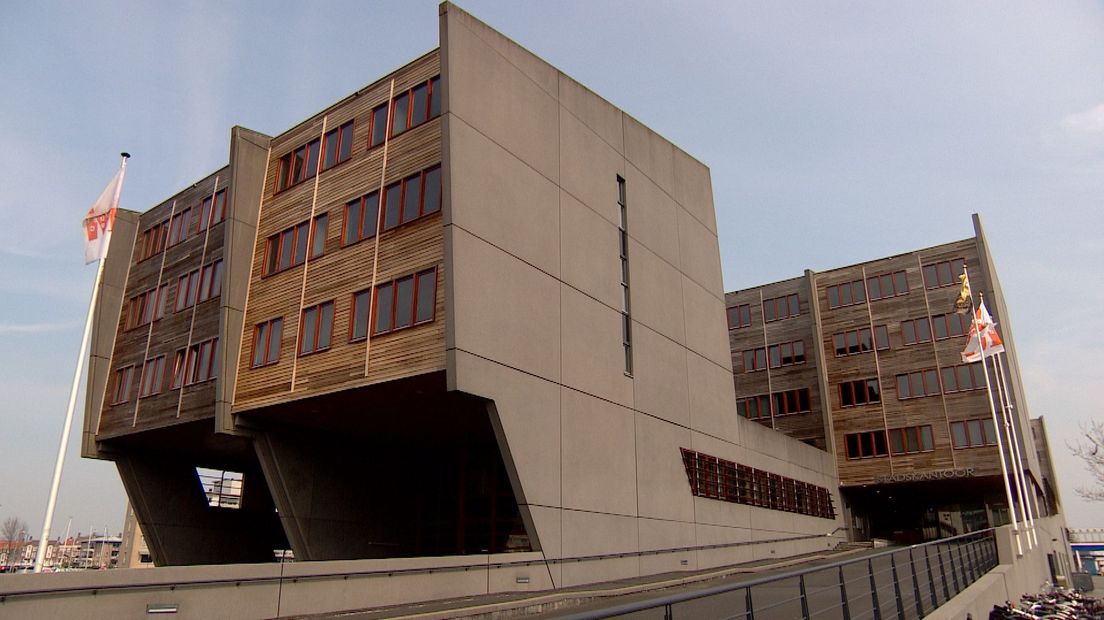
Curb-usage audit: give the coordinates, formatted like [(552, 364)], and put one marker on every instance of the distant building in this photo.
[(865, 361), (470, 308)]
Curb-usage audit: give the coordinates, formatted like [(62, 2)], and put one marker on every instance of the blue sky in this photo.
[(835, 132)]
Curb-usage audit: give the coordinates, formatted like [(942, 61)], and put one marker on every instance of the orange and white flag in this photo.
[(100, 220), (983, 337)]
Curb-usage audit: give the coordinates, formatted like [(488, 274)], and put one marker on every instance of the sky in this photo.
[(836, 132)]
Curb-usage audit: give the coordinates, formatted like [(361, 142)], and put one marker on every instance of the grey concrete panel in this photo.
[(599, 115), (699, 253), (522, 117), (651, 215), (656, 288), (504, 309), (590, 261), (599, 455), (588, 534), (589, 168), (661, 477), (660, 381), (499, 198), (650, 153), (547, 521), (706, 325), (712, 400), (657, 534), (593, 353), (694, 189)]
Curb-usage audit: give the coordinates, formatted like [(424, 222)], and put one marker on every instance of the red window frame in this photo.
[(791, 402), (212, 210), (846, 294), (210, 283), (781, 308), (866, 445), (948, 323), (913, 331), (359, 228), (342, 139), (152, 377), (927, 380), (275, 246), (415, 182), (869, 390), (430, 109), (943, 273), (886, 285), (963, 378), (902, 437), (154, 240), (987, 433), (392, 289), (320, 314), (200, 364), (754, 407), (755, 360), (263, 334), (123, 379), (179, 227), (187, 290), (295, 167), (739, 316)]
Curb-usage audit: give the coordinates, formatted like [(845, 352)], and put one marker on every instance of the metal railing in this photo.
[(902, 583)]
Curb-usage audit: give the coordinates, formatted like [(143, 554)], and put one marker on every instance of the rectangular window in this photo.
[(786, 354), (755, 359), (212, 210), (144, 308), (963, 378), (316, 328), (210, 284), (973, 433), (917, 384), (887, 285), (266, 342), (152, 377), (739, 316), (780, 308), (754, 407), (180, 226), (123, 378), (286, 249), (915, 331), (944, 273), (298, 166), (866, 445), (861, 392), (911, 440), (187, 289), (153, 240), (724, 480), (318, 235), (337, 145), (414, 107), (846, 294), (200, 364), (361, 217), (406, 301), (862, 340), (791, 402), (415, 196), (950, 325), (623, 252), (379, 125)]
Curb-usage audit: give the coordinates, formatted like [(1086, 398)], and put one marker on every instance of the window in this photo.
[(200, 363), (187, 289), (910, 440), (407, 301), (316, 328), (944, 273), (337, 145), (362, 310), (360, 218), (266, 342), (152, 377), (786, 354), (861, 392), (210, 283), (963, 378), (212, 211), (887, 285), (180, 226), (286, 249), (862, 340), (623, 253), (973, 433), (754, 407), (222, 488), (866, 445), (950, 325), (720, 479), (414, 107), (918, 384), (298, 165), (415, 196), (153, 240), (755, 359), (791, 402), (123, 378), (318, 235), (780, 308), (915, 331), (379, 125), (146, 307), (846, 294), (739, 316)]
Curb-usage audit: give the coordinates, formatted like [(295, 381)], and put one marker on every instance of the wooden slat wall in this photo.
[(343, 271), (807, 427), (171, 332)]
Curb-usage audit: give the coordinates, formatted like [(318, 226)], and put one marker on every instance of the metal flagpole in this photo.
[(40, 557), (1026, 513), (996, 424)]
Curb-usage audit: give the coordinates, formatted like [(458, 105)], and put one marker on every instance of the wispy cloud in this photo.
[(1089, 121), (34, 328)]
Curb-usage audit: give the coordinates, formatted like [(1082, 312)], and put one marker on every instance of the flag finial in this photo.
[(125, 155)]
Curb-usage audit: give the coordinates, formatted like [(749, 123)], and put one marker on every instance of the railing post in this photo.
[(873, 590), (896, 586), (975, 559), (804, 600), (750, 615), (954, 570), (843, 596), (962, 565), (915, 585), (943, 574), (668, 613), (931, 577)]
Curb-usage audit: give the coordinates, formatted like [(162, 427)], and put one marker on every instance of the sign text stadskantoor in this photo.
[(940, 474)]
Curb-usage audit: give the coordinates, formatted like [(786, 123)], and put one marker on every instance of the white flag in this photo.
[(101, 219), (983, 335)]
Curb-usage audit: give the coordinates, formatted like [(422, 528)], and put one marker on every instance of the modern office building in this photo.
[(472, 308), (865, 361)]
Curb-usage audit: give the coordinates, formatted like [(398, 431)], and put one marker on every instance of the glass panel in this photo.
[(768, 310), (794, 305), (749, 360), (741, 408), (916, 383), (312, 158), (775, 357), (833, 297), (329, 157), (930, 278), (881, 337), (193, 287), (926, 442), (427, 296), (420, 109), (845, 294), (866, 341), (990, 431), (325, 327), (360, 315), (931, 382), (346, 142), (760, 358), (887, 286), (745, 315), (958, 434), (880, 443), (309, 326), (282, 174), (912, 436), (957, 265), (895, 441), (216, 280), (803, 400), (799, 351), (853, 447), (371, 216), (841, 348), (392, 196), (945, 277), (978, 374), (874, 391), (435, 97), (973, 428), (352, 222), (379, 125), (412, 190), (753, 408), (859, 293), (923, 330), (301, 242), (903, 386), (852, 342), (875, 288), (404, 300), (900, 283), (275, 333), (204, 371), (787, 353), (949, 383), (384, 302), (319, 231), (398, 121), (432, 202), (964, 380), (908, 332), (939, 323), (260, 344), (286, 241)]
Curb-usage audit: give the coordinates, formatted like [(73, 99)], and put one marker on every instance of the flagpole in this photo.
[(40, 557), (1025, 508), (996, 425)]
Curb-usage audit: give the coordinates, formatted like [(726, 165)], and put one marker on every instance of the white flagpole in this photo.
[(40, 557), (1026, 513), (996, 425)]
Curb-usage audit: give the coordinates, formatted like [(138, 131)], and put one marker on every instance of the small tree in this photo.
[(14, 530), (1091, 451)]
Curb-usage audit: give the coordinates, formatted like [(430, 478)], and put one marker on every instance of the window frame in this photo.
[(742, 313), (855, 294), (934, 272), (320, 311), (124, 379), (265, 330), (392, 287), (152, 384)]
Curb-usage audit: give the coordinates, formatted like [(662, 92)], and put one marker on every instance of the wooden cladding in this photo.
[(723, 480)]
